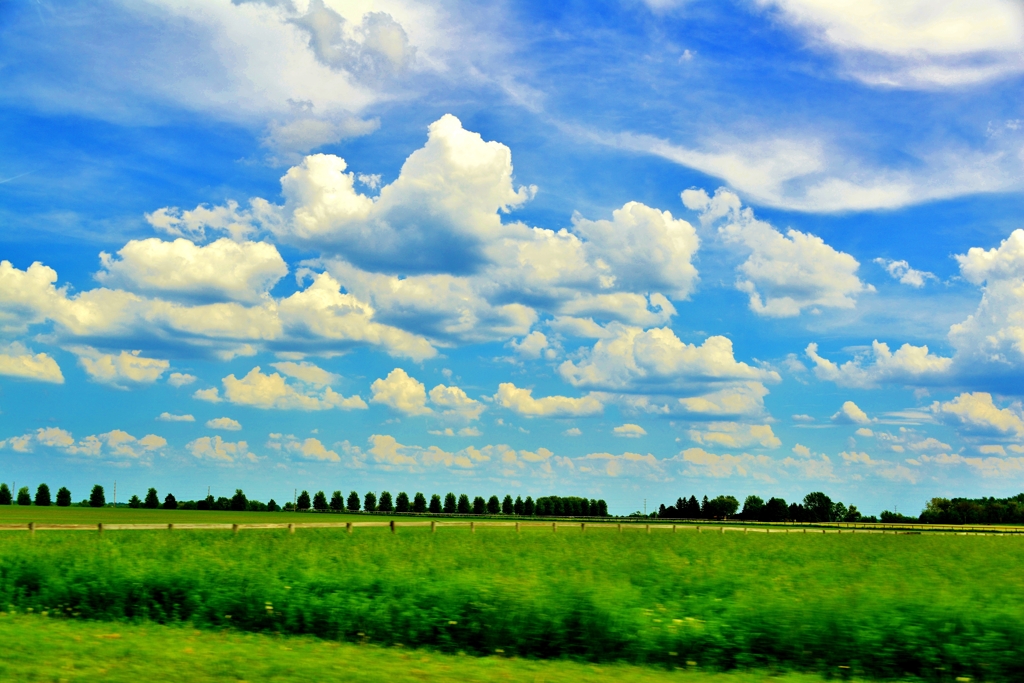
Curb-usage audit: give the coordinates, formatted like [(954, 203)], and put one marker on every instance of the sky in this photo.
[(630, 250)]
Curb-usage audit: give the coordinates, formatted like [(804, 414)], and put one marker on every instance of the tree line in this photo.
[(816, 507), (554, 506)]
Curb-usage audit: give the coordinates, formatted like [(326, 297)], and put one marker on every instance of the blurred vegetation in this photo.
[(933, 607)]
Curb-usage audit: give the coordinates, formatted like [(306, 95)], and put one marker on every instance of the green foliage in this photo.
[(528, 507), (479, 505), (507, 506), (908, 607), (419, 502), (152, 500), (338, 502), (974, 510), (320, 501), (402, 502), (96, 497), (450, 506), (303, 501), (239, 502), (493, 505), (134, 502), (385, 504), (817, 507), (64, 497), (517, 507), (5, 495), (24, 497), (463, 507), (435, 504), (353, 502), (569, 506), (272, 506), (370, 502), (753, 506), (170, 502), (43, 496)]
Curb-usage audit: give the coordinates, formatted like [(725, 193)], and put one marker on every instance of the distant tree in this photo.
[(288, 506), (662, 511), (775, 510), (370, 502), (319, 501), (463, 507), (528, 507), (272, 506), (692, 509), (435, 504), (170, 503), (256, 506), (704, 509), (337, 501), (5, 495), (419, 503), (817, 507), (507, 506), (353, 502), (24, 497), (96, 497), (517, 507), (152, 500), (838, 512), (493, 505), (402, 502), (585, 507), (753, 506), (602, 508), (302, 503), (43, 496), (64, 497), (385, 504), (205, 503), (135, 502), (450, 506), (853, 514), (239, 503), (796, 513)]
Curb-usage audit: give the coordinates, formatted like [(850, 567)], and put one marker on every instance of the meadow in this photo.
[(892, 606)]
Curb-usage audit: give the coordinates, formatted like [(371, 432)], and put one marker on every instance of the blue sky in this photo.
[(629, 250)]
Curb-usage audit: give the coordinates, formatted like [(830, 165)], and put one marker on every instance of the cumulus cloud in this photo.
[(401, 392), (976, 412), (115, 444), (572, 431), (116, 369), (454, 403), (225, 423), (871, 368), (216, 448), (274, 392), (17, 361), (850, 413), (630, 430), (531, 346), (307, 449), (736, 435), (783, 274), (625, 464), (522, 401), (901, 270), (180, 379), (700, 463), (306, 372), (171, 417)]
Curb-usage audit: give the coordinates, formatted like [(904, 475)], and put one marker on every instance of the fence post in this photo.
[(517, 527), (673, 528), (291, 528), (234, 529), (620, 527), (433, 526), (721, 530), (583, 527), (698, 530), (170, 527), (32, 528), (99, 528), (348, 527), (554, 527), (744, 531), (472, 527)]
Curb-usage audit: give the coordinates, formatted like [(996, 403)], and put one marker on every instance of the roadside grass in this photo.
[(933, 607)]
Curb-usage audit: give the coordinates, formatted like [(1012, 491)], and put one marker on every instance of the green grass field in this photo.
[(881, 606)]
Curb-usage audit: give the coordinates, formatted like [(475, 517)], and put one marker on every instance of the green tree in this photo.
[(753, 506), (337, 502), (63, 497), (775, 510), (5, 495), (479, 505), (419, 503), (852, 514), (353, 502), (302, 503), (602, 508), (507, 506), (435, 504), (385, 504), (817, 507), (528, 507), (493, 505), (24, 497), (463, 507), (43, 496), (402, 502), (170, 502), (272, 506), (135, 502), (517, 507), (96, 497), (152, 500), (319, 501), (450, 506), (370, 502), (239, 503)]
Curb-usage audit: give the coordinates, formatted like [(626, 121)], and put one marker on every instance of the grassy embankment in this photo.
[(881, 606)]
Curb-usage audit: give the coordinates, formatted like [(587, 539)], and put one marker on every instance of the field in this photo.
[(871, 605)]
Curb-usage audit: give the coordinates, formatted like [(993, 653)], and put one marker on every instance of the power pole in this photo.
[(645, 507), (115, 493)]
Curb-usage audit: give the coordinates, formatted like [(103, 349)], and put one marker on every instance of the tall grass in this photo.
[(884, 606)]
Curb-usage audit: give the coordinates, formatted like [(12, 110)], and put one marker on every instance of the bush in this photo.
[(5, 495), (152, 500), (96, 497), (239, 503), (435, 504), (419, 502), (43, 496), (337, 501), (353, 502), (507, 506), (64, 497), (450, 506), (370, 502), (24, 498), (303, 502), (402, 502), (493, 505), (385, 504), (319, 501), (463, 507), (170, 502)]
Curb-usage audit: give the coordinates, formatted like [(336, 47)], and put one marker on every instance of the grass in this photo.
[(23, 514), (40, 649), (881, 606)]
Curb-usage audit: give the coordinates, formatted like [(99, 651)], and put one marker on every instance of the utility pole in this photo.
[(295, 497), (645, 507), (115, 493)]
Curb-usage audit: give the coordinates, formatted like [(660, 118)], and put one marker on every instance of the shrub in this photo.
[(463, 507), (450, 506), (337, 501), (435, 504), (5, 495), (152, 500), (272, 506), (353, 502), (64, 497), (385, 504), (43, 496), (170, 502), (419, 502), (517, 507), (24, 498), (493, 506), (239, 503), (96, 497), (370, 502), (528, 507), (402, 502), (319, 501), (303, 502)]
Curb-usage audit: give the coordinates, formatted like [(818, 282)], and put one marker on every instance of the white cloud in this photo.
[(850, 413), (116, 443), (224, 270), (401, 392), (700, 463), (991, 449), (909, 364), (455, 403), (273, 391), (306, 372), (216, 448), (386, 450), (802, 418), (180, 379), (783, 274), (626, 464), (864, 431), (630, 430), (901, 270), (124, 367), (521, 401), (307, 449), (17, 361), (225, 423), (572, 431), (976, 412), (802, 451), (531, 346), (736, 435), (171, 417)]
